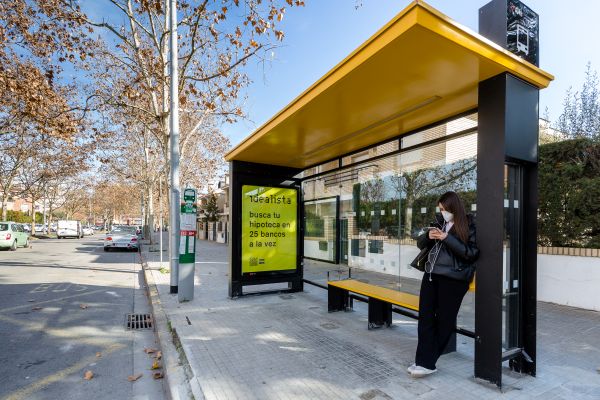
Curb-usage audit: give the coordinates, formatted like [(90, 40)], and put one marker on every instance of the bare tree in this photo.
[(130, 71), (420, 182), (581, 109)]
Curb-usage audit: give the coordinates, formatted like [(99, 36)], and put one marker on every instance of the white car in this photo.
[(121, 237), (12, 235), (87, 231)]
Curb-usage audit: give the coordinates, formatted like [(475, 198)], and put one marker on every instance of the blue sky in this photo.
[(323, 32)]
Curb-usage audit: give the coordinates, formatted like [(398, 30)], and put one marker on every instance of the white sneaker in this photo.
[(411, 368), (419, 372)]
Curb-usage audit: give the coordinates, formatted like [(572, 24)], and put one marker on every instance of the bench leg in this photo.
[(380, 314), (337, 299)]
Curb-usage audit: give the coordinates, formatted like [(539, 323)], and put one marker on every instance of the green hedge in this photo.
[(315, 227), (21, 217), (569, 194)]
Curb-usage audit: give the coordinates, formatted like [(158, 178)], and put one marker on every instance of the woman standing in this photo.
[(448, 271)]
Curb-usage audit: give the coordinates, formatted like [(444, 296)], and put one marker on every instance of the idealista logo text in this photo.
[(270, 199)]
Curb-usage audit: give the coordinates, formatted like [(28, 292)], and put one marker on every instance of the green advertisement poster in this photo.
[(269, 228)]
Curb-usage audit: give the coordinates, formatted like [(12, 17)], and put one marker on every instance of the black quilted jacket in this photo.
[(454, 253)]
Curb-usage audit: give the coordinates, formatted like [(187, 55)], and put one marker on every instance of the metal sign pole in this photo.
[(174, 144), (187, 245)]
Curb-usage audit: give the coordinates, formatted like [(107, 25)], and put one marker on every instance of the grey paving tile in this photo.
[(289, 347)]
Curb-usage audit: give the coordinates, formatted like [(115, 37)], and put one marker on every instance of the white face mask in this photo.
[(448, 216)]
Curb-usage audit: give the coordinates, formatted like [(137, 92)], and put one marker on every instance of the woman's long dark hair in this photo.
[(452, 203)]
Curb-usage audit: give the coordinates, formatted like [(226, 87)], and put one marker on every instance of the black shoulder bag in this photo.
[(421, 259)]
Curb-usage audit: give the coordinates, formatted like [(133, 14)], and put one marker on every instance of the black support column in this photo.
[(508, 131)]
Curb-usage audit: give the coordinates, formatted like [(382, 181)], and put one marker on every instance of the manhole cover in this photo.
[(329, 326), (138, 321), (374, 394)]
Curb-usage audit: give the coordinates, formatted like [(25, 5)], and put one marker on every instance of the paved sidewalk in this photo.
[(290, 347)]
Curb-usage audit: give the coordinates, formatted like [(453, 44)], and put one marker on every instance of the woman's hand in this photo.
[(437, 234)]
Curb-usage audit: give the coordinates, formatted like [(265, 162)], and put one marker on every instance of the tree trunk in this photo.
[(32, 216), (150, 212), (4, 205), (408, 213), (49, 217), (44, 223)]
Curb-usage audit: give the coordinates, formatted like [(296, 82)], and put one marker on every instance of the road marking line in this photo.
[(26, 392), (50, 301), (41, 288)]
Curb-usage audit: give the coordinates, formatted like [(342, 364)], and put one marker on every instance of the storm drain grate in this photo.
[(138, 321)]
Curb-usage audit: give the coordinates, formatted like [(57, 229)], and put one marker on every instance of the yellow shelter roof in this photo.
[(420, 68)]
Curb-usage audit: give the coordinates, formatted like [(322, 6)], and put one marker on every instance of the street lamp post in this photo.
[(174, 153)]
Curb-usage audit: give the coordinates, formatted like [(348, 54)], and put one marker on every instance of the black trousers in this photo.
[(439, 303)]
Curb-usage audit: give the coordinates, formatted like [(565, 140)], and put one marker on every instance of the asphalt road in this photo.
[(63, 305)]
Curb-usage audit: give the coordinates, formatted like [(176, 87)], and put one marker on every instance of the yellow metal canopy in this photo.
[(420, 68)]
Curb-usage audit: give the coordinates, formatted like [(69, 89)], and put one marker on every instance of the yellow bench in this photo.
[(380, 300)]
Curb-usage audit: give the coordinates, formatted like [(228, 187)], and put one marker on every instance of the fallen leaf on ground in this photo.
[(133, 378), (98, 354), (88, 375), (158, 355), (36, 308), (155, 365), (157, 375), (148, 350), (83, 306)]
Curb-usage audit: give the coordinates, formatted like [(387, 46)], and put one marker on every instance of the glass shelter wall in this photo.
[(320, 229), (385, 201)]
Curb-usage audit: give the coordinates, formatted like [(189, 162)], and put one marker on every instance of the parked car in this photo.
[(122, 237), (69, 229), (88, 231), (13, 235)]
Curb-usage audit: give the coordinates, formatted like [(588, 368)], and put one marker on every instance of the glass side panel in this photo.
[(439, 131), (383, 206), (511, 297), (320, 225), (328, 166), (379, 150)]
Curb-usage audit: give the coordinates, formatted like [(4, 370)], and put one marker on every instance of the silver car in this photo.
[(121, 237)]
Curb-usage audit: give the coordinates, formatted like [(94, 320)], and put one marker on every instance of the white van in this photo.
[(66, 228)]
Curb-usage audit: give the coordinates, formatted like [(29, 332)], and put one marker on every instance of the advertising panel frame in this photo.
[(244, 173)]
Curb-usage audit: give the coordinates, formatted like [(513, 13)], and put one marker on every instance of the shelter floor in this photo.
[(289, 347)]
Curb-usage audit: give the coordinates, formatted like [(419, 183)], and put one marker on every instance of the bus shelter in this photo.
[(349, 172)]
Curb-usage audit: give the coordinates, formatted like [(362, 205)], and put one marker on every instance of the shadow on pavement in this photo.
[(51, 333)]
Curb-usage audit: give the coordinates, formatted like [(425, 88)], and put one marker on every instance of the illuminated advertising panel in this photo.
[(269, 229)]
